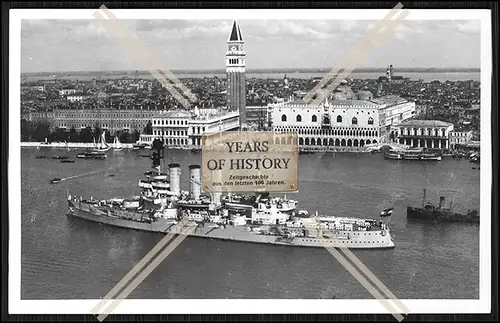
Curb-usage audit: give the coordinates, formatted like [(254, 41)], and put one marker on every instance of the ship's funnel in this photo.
[(442, 199), (216, 198), (195, 181), (175, 178)]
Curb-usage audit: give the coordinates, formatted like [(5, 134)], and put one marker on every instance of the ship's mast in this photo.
[(423, 200)]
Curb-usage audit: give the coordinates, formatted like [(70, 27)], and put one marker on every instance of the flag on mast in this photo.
[(386, 212)]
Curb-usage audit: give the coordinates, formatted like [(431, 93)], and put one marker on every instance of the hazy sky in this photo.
[(85, 45)]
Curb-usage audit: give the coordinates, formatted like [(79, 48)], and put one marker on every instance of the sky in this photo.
[(87, 45)]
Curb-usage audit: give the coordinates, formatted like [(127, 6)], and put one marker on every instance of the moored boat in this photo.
[(117, 144)]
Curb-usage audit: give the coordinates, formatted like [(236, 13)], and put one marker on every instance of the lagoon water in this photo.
[(66, 258)]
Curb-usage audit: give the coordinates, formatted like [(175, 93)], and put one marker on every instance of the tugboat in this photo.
[(55, 180), (440, 213)]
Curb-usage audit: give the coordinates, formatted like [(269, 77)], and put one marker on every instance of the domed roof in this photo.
[(364, 95)]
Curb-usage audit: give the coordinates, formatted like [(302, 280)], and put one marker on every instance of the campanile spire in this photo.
[(235, 70)]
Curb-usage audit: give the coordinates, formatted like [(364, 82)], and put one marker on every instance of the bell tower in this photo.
[(235, 70)]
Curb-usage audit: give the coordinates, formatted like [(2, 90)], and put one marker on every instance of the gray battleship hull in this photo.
[(350, 239)]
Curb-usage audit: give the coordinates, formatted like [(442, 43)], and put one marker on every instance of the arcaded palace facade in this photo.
[(342, 122)]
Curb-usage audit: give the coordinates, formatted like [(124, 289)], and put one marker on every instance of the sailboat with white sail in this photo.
[(103, 145), (117, 144)]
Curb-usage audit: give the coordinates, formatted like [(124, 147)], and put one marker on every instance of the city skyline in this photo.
[(83, 45)]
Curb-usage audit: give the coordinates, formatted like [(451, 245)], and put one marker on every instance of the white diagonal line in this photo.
[(356, 55), (360, 55), (362, 280), (139, 266), (374, 279), (150, 55), (362, 43), (138, 50), (134, 51), (145, 273)]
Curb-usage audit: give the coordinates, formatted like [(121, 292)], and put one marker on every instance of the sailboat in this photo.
[(117, 144), (103, 145)]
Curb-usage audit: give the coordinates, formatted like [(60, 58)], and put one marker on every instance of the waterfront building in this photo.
[(424, 133), (183, 129), (259, 116), (107, 119), (235, 70), (67, 91), (341, 123), (460, 138)]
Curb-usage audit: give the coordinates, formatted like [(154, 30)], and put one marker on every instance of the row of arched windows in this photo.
[(336, 132), (335, 142), (233, 61), (314, 118)]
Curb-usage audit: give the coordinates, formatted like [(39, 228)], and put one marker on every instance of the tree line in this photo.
[(38, 131)]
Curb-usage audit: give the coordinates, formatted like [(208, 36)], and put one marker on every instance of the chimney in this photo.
[(175, 178), (216, 198), (195, 181), (441, 201)]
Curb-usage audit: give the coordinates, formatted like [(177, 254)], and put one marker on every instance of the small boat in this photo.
[(117, 144), (98, 155), (393, 155), (92, 155), (111, 175), (103, 147), (41, 157), (67, 161), (55, 180), (430, 157), (138, 146), (60, 157)]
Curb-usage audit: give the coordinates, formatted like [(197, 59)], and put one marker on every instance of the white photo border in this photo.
[(237, 306)]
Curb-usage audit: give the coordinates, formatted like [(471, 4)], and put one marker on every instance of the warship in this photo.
[(162, 207), (440, 213)]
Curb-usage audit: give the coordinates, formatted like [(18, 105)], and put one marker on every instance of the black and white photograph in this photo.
[(352, 164)]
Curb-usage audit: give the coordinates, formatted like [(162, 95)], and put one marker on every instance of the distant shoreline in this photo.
[(267, 71), (64, 145)]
